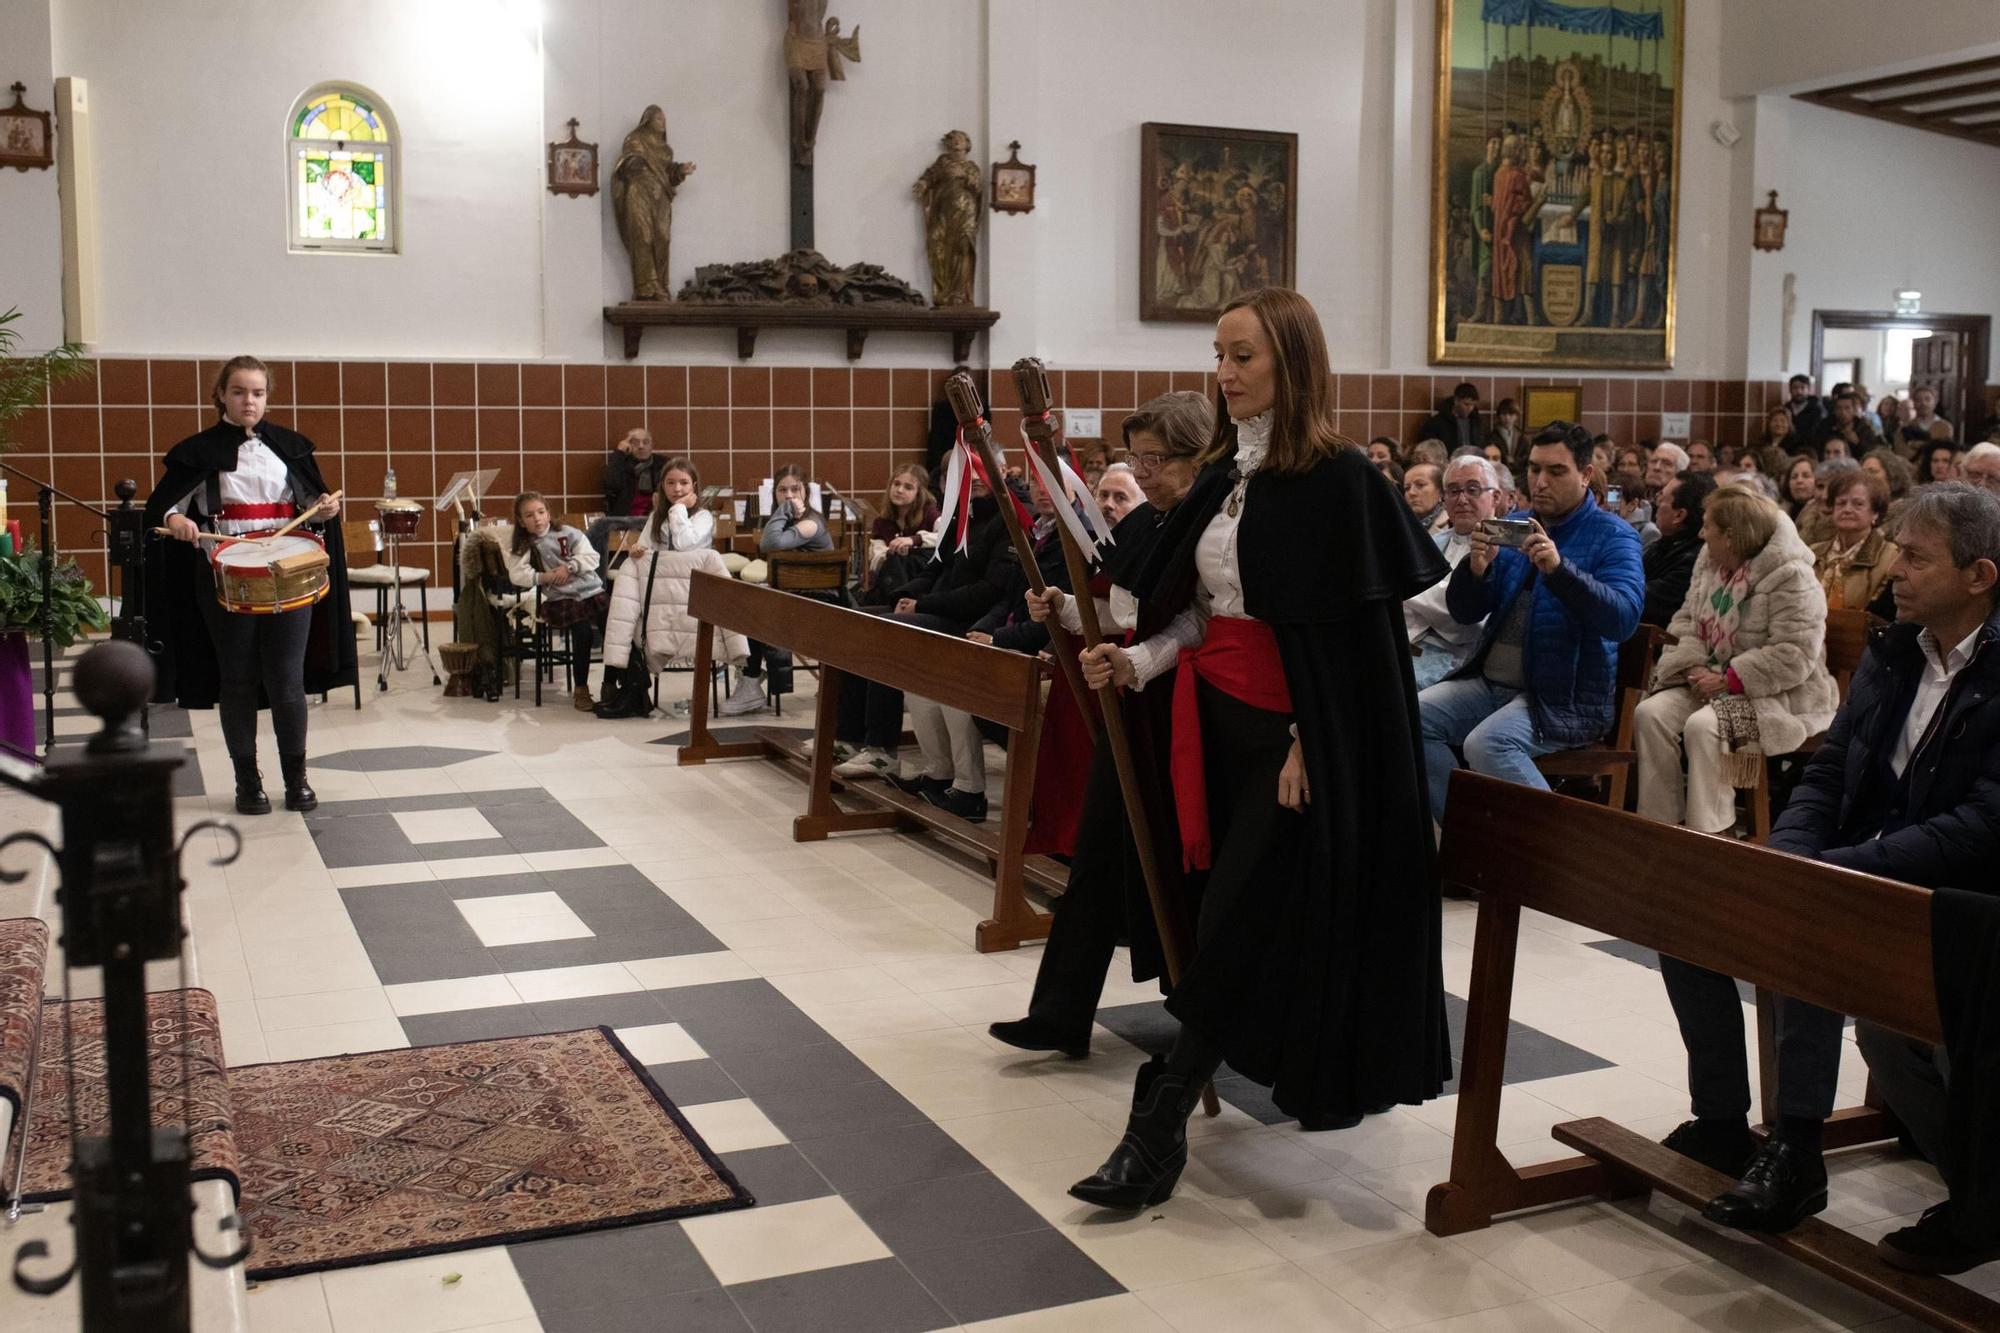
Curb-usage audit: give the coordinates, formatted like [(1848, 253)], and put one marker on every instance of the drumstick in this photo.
[(302, 517), (199, 536)]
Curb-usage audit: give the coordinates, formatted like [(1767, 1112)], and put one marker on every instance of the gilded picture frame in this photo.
[(27, 138), (1554, 223), (573, 165), (1543, 403), (1218, 216)]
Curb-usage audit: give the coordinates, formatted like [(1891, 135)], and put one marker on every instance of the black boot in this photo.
[(250, 797), (1147, 1163), (298, 796)]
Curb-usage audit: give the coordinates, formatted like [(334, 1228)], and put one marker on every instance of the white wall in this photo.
[(1770, 45), (30, 212), (1846, 246), (189, 102)]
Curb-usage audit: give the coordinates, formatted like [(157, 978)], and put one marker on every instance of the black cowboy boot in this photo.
[(1147, 1163), (250, 797), (298, 796)]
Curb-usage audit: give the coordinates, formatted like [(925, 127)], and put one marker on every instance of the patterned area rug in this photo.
[(24, 955), (362, 1158), (359, 1159), (188, 1086)]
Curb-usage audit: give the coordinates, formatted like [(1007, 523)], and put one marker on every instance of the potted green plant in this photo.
[(71, 607)]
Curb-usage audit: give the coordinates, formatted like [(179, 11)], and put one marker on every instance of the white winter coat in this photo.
[(670, 630)]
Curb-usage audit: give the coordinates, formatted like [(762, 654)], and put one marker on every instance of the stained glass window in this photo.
[(342, 172)]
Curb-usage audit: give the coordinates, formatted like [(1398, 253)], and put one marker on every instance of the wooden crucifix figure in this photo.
[(814, 50)]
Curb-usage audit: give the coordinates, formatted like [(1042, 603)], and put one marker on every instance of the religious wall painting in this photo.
[(1555, 183), (26, 140), (573, 165), (1218, 217)]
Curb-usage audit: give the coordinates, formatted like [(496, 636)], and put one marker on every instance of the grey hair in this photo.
[(1980, 450), (1967, 517), (1833, 467), (1673, 451), (1121, 466), (1487, 472)]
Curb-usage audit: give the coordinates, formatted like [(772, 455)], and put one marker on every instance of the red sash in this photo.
[(248, 513), (1239, 657)]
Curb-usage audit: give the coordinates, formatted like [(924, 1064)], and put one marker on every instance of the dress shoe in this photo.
[(1035, 1034), (967, 805), (923, 784), (1933, 1246), (1725, 1146), (250, 797), (1783, 1186), (1147, 1163), (298, 796)]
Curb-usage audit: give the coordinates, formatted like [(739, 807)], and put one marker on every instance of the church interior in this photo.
[(543, 785)]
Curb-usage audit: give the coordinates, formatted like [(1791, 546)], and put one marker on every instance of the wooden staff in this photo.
[(1033, 382), (963, 396)]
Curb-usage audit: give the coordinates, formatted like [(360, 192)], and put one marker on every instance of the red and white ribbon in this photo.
[(1069, 497), (963, 466)]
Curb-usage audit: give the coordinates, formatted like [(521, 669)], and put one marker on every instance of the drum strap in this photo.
[(214, 496)]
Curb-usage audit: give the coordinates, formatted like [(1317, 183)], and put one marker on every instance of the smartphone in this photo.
[(1614, 495), (1509, 532)]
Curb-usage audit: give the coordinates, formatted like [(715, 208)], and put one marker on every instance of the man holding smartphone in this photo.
[(1560, 587)]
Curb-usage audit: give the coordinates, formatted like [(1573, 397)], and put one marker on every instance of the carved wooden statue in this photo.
[(814, 49), (643, 185), (950, 191)]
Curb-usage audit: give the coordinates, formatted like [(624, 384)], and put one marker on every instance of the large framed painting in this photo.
[(1556, 183), (1219, 216)]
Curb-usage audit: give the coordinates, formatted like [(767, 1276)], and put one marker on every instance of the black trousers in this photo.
[(1710, 1013), (1090, 916), (254, 653)]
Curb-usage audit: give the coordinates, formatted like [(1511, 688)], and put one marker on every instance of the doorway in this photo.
[(1893, 353)]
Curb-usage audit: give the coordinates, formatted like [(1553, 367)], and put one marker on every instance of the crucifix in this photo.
[(814, 50)]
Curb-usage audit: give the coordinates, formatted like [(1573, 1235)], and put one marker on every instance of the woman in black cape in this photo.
[(244, 475), (1297, 762)]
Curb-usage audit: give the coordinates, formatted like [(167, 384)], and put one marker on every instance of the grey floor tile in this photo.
[(1531, 1053), (397, 758), (460, 849), (631, 1009), (821, 1112), (734, 1016), (615, 1266), (332, 810), (396, 965), (594, 949), (436, 800), (687, 1312), (623, 899), (692, 1082), (406, 915), (772, 1071), (989, 1279), (777, 1174), (880, 1297), (493, 800), (897, 1155), (512, 1020), (543, 828), (363, 840), (493, 886), (950, 1210)]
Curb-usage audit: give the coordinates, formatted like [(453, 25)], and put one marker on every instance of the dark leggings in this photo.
[(582, 638), (253, 652)]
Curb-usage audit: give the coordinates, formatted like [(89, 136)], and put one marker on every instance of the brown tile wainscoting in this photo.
[(548, 426)]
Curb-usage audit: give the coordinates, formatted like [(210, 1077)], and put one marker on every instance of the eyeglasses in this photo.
[(1471, 492), (1151, 461)]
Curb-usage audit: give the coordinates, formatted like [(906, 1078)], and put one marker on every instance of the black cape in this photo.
[(1326, 984), (183, 653)]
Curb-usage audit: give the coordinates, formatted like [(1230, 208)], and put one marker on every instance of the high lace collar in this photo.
[(1253, 442)]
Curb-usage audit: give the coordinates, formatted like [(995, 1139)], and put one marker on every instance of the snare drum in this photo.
[(399, 517), (264, 578)]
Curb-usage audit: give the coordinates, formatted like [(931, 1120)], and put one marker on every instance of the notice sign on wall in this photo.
[(1676, 425)]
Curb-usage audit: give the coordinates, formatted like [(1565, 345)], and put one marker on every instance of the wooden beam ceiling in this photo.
[(1944, 99)]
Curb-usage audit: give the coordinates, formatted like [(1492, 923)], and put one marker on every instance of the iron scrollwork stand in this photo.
[(121, 908)]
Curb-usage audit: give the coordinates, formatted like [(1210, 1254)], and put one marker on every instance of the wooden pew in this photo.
[(991, 683), (1849, 942)]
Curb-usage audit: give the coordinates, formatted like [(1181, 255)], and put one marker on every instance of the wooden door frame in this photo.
[(1969, 412)]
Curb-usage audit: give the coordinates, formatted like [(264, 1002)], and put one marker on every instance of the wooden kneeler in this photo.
[(1848, 942)]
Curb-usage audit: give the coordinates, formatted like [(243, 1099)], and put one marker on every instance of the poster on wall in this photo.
[(1218, 217), (1555, 183)]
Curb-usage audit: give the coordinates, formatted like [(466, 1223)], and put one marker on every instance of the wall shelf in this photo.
[(963, 323)]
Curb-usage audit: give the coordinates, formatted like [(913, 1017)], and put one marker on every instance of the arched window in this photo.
[(341, 144)]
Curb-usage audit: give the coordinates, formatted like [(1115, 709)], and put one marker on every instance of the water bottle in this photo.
[(389, 485)]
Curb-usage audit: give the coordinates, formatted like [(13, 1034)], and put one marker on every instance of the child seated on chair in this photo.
[(900, 538), (794, 525), (679, 521), (562, 564)]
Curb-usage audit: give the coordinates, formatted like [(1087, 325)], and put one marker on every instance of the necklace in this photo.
[(1241, 483)]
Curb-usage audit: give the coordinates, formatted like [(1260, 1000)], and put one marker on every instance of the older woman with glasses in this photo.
[(1437, 642)]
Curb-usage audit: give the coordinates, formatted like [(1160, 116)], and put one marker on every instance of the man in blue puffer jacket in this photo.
[(1545, 674)]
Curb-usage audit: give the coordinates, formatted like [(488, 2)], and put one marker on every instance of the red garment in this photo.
[(1511, 198), (1062, 770), (1238, 656), (250, 513), (642, 504)]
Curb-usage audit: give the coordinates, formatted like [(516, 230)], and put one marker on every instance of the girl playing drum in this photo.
[(244, 476)]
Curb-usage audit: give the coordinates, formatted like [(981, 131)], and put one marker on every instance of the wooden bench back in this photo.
[(1848, 942), (809, 571), (992, 683), (1847, 633)]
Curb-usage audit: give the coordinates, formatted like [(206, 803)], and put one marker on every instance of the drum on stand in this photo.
[(271, 575), (399, 517)]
